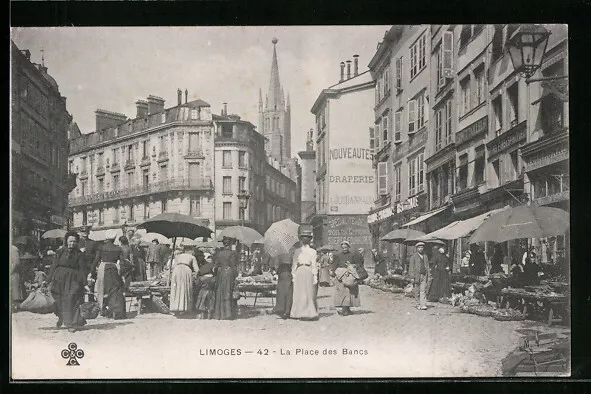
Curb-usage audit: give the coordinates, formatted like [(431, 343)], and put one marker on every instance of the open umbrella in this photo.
[(525, 221), (280, 237), (149, 237), (402, 234), (414, 240), (260, 241), (209, 244), (56, 233), (186, 241), (245, 235)]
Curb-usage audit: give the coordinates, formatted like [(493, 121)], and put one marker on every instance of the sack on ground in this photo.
[(39, 301)]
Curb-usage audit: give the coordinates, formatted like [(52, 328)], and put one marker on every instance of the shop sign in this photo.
[(411, 203), (59, 220), (507, 140), (542, 160), (476, 128), (380, 215), (352, 228)]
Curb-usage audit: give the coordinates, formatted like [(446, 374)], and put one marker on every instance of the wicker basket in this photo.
[(90, 310)]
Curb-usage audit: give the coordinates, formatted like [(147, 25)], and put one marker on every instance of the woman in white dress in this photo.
[(305, 277)]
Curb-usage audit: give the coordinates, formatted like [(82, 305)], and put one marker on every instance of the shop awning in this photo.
[(461, 228), (426, 216)]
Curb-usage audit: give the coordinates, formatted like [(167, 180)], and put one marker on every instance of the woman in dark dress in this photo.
[(380, 263), (109, 286), (125, 265), (226, 263), (284, 300), (67, 282), (205, 286), (441, 285)]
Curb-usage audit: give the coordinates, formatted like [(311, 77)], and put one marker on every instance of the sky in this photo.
[(111, 67)]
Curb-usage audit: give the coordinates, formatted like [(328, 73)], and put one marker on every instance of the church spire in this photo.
[(260, 100), (274, 97)]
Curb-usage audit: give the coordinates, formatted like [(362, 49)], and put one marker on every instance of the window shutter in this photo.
[(385, 130), (412, 116), (399, 73), (447, 54), (372, 139), (441, 78), (426, 109), (377, 137), (382, 178), (397, 126)]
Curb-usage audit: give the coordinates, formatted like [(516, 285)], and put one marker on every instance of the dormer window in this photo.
[(163, 118)]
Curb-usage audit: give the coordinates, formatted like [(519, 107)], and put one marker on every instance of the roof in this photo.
[(359, 81)]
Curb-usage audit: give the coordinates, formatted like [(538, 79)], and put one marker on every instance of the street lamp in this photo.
[(527, 47), (243, 198)]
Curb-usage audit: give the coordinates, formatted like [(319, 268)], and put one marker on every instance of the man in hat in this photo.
[(418, 268), (155, 259), (304, 271), (346, 296), (88, 246)]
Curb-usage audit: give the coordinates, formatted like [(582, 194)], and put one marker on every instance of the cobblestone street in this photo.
[(400, 341)]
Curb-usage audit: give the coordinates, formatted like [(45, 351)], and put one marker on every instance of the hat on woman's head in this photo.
[(206, 255), (111, 234), (305, 230), (346, 243)]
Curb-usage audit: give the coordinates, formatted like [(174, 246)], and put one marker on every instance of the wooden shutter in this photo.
[(382, 178), (425, 109), (399, 74), (412, 116), (441, 78), (447, 47), (377, 137), (398, 126), (372, 140)]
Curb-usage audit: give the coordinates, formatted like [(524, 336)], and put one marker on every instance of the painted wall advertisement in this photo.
[(352, 228)]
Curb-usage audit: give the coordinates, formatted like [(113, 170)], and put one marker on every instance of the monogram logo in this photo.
[(72, 353)]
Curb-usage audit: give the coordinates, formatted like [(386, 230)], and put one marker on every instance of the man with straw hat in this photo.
[(418, 268)]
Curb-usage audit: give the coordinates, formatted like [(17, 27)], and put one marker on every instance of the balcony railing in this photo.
[(172, 184), (410, 145)]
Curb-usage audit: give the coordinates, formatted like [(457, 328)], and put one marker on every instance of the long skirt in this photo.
[(109, 290), (205, 295), (380, 268), (225, 306), (304, 294), (346, 296), (139, 270), (67, 288), (18, 293), (181, 289), (324, 276), (284, 294)]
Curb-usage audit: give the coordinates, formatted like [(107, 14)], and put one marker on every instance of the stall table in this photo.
[(259, 289), (551, 304)]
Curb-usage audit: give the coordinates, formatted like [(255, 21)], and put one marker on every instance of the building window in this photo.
[(194, 114), (378, 91), (241, 183), (448, 123), (116, 215), (497, 106), (163, 205), (194, 145), (463, 172), (435, 175), (83, 188), (418, 56), (195, 206), (496, 174), (115, 156), (399, 74), (130, 176), (145, 178), (465, 96), (162, 144), (100, 185), (497, 43), (145, 150), (480, 85), (514, 165), (163, 117), (146, 210), (101, 216), (227, 185), (420, 172), (83, 164), (387, 80), (412, 177), (116, 182), (445, 59), (372, 140), (241, 159), (163, 173), (479, 164), (513, 107), (385, 135), (397, 182), (227, 214), (438, 130), (227, 159), (552, 113), (412, 116), (131, 214)]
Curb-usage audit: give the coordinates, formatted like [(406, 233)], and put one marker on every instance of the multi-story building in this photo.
[(132, 169), (401, 68), (275, 115), (39, 148), (308, 179), (344, 176), (546, 153)]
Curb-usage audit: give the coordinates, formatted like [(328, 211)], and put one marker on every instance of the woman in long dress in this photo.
[(305, 277), (109, 285), (205, 287), (324, 269), (346, 297), (125, 265), (226, 271), (67, 282), (441, 285), (181, 281)]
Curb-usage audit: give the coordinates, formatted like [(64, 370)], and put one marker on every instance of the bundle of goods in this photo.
[(379, 284), (480, 310), (397, 280), (408, 290), (39, 301), (538, 353), (89, 309), (508, 315)]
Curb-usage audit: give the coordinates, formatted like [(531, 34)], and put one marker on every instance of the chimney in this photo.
[(342, 72), (355, 65), (225, 110), (179, 95), (155, 104), (348, 69), (107, 119), (310, 141), (186, 95), (142, 108)]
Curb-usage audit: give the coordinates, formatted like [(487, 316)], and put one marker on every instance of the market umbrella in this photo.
[(245, 235), (173, 225), (414, 240), (209, 244), (280, 237), (149, 237), (56, 233), (402, 234), (525, 221), (328, 248), (260, 241), (186, 241)]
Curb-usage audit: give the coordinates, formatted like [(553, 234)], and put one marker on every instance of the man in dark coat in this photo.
[(88, 246), (477, 261), (284, 300), (418, 269), (441, 268)]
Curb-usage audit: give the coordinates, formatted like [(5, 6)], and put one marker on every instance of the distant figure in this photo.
[(205, 286), (155, 259), (18, 291), (125, 265), (477, 262), (497, 260), (284, 286), (465, 263), (324, 269), (181, 282), (379, 262), (256, 263), (137, 256), (418, 269)]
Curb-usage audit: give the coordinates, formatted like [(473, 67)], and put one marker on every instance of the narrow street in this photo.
[(400, 341)]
